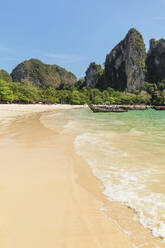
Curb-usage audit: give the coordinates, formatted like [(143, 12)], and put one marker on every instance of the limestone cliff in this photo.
[(125, 64), (93, 75), (41, 74), (155, 61)]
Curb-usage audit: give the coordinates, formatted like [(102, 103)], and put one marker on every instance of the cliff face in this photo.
[(155, 61), (93, 75), (42, 74), (125, 64)]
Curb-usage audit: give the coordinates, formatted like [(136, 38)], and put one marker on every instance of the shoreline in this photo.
[(11, 111), (81, 212), (124, 217), (121, 215)]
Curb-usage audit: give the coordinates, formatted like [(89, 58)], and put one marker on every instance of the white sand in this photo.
[(48, 195), (9, 111)]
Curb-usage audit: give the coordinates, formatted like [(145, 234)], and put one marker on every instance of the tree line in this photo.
[(25, 92)]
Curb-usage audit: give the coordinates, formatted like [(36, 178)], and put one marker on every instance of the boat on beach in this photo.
[(107, 109), (117, 108), (159, 107), (135, 107)]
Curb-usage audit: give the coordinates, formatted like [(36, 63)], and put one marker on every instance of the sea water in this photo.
[(126, 151)]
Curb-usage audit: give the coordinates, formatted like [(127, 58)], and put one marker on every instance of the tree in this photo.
[(75, 97), (6, 94)]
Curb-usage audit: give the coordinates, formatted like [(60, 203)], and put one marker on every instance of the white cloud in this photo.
[(64, 58)]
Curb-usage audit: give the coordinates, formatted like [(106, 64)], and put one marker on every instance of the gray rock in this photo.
[(155, 61), (93, 75)]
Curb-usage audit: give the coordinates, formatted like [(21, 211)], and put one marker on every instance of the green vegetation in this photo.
[(6, 94), (156, 92), (4, 75), (42, 75), (98, 68), (26, 92)]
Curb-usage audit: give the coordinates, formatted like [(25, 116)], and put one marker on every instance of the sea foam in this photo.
[(128, 185)]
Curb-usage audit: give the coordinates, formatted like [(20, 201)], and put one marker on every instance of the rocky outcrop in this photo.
[(93, 75), (42, 75), (125, 64), (155, 61), (5, 76)]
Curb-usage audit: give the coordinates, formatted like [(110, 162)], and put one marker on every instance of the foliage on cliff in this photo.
[(42, 74), (4, 75)]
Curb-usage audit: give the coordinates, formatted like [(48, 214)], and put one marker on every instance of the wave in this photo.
[(122, 182)]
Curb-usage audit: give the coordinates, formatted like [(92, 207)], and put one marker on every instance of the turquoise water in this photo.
[(126, 151)]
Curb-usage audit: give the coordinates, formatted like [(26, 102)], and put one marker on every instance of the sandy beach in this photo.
[(49, 196)]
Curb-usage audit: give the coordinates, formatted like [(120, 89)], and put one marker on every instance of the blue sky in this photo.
[(73, 33)]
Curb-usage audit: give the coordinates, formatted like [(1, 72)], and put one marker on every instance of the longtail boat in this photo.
[(135, 107), (159, 107), (107, 109)]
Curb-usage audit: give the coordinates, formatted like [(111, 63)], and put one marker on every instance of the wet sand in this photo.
[(49, 197)]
